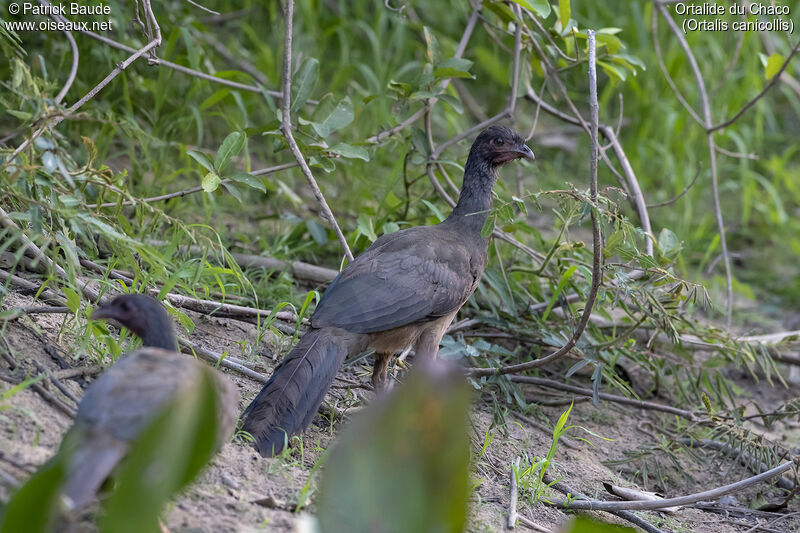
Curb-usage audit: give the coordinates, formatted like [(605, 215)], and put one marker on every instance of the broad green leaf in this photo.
[(432, 46), (210, 182), (612, 71), (774, 64), (330, 116), (214, 98), (201, 158), (540, 7), (564, 12), (317, 231), (454, 102), (668, 243), (249, 180), (454, 67), (349, 151), (418, 438), (366, 228), (303, 82), (231, 147), (73, 300), (231, 188), (562, 283)]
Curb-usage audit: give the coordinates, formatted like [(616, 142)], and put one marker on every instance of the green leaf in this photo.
[(201, 158), (612, 71), (540, 7), (231, 147), (210, 182), (454, 67), (668, 244), (330, 115), (235, 192), (73, 299), (304, 81), (774, 64), (317, 232), (454, 102), (565, 277), (418, 439), (249, 180), (214, 98), (349, 151), (432, 46), (564, 12), (365, 227)]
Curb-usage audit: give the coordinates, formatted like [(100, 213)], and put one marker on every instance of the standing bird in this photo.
[(403, 290), (120, 404)]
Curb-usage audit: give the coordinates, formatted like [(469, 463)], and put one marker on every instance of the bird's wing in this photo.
[(130, 393), (404, 278)]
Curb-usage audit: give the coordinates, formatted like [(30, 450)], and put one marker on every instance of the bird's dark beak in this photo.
[(101, 313), (525, 152)]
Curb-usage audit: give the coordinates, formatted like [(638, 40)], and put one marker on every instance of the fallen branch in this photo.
[(572, 493), (551, 384), (220, 360), (595, 505)]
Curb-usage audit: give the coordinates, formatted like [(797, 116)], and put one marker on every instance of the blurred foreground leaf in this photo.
[(583, 524), (167, 456), (403, 465)]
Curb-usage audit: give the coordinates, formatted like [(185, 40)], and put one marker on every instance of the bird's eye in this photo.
[(125, 306), (499, 141)]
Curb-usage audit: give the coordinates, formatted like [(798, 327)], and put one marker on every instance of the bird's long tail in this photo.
[(88, 466), (287, 403)]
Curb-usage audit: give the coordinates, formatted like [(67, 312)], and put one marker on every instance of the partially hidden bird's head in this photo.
[(143, 315), (498, 145)]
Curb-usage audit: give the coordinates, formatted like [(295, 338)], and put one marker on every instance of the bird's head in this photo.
[(143, 315), (498, 145)]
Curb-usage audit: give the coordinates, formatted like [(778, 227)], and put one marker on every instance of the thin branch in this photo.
[(597, 238), (185, 192), (760, 95), (667, 76), (96, 89), (73, 72), (679, 196), (186, 70), (286, 129), (572, 493), (712, 494), (712, 153)]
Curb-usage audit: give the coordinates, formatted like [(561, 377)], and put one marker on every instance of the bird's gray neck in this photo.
[(159, 336), (475, 200)]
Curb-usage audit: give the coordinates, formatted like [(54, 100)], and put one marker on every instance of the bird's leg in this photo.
[(379, 371)]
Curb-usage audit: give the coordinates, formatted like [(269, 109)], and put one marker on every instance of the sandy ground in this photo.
[(240, 491)]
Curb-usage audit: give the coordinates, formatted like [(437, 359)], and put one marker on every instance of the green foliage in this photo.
[(402, 440)]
